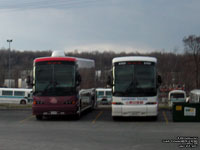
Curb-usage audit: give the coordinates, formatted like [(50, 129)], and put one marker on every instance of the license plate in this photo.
[(134, 102), (54, 112)]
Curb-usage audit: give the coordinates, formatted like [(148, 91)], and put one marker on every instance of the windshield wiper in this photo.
[(38, 93), (130, 86)]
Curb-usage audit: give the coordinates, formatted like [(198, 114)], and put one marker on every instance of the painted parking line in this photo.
[(98, 115), (165, 117), (26, 119)]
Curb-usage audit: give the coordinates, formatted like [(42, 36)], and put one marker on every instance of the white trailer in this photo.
[(176, 96)]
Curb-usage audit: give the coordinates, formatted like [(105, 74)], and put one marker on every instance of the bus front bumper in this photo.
[(134, 110), (54, 109)]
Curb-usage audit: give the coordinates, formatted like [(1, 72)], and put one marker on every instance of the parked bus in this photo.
[(134, 86), (15, 95), (176, 96), (62, 85), (194, 96), (104, 95)]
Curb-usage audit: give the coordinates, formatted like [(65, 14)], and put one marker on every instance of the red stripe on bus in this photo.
[(54, 59)]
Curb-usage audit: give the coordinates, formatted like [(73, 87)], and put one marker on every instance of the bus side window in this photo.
[(19, 93), (7, 93)]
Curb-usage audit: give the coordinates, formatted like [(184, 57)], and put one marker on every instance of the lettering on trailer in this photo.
[(134, 98)]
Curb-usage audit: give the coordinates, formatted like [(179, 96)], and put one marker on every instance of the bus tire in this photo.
[(154, 118), (39, 117), (23, 102), (78, 114)]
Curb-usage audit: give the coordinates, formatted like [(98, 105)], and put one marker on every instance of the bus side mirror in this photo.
[(109, 81), (29, 81), (159, 80), (78, 79)]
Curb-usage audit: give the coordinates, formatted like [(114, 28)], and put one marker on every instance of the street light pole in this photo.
[(9, 41)]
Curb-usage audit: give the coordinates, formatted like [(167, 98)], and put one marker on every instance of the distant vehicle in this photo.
[(14, 95), (63, 85), (176, 96), (135, 85), (104, 95), (194, 96)]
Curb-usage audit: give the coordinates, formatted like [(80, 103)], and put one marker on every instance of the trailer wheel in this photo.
[(22, 101)]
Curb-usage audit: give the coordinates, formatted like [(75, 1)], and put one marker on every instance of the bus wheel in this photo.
[(38, 117), (22, 102), (78, 114), (154, 118)]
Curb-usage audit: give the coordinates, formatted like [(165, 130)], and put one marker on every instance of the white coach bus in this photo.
[(134, 84), (15, 95)]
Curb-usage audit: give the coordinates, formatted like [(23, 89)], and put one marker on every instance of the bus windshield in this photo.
[(54, 79), (135, 80)]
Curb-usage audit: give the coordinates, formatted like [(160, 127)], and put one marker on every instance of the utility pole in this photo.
[(9, 41)]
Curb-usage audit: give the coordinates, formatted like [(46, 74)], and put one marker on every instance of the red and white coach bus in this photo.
[(62, 85)]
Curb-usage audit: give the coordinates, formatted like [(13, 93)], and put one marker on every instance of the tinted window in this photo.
[(135, 79), (19, 93), (108, 93), (100, 93), (8, 93)]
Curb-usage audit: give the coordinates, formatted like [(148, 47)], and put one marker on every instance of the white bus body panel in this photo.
[(134, 58), (130, 109)]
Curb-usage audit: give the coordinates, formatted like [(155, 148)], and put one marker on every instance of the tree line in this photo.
[(175, 69)]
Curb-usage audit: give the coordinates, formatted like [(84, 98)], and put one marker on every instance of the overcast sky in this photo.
[(118, 25)]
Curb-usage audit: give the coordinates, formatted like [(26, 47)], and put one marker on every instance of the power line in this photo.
[(46, 4)]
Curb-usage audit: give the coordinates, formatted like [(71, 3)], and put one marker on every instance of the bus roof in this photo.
[(16, 89), (62, 59), (177, 91), (134, 58), (103, 89), (54, 59)]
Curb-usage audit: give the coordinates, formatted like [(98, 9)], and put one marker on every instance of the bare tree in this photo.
[(192, 47)]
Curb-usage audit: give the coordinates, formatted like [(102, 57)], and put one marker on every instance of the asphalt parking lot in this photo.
[(96, 130)]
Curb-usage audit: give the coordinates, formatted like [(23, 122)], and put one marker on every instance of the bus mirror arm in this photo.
[(109, 81), (78, 79), (159, 80), (29, 81)]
